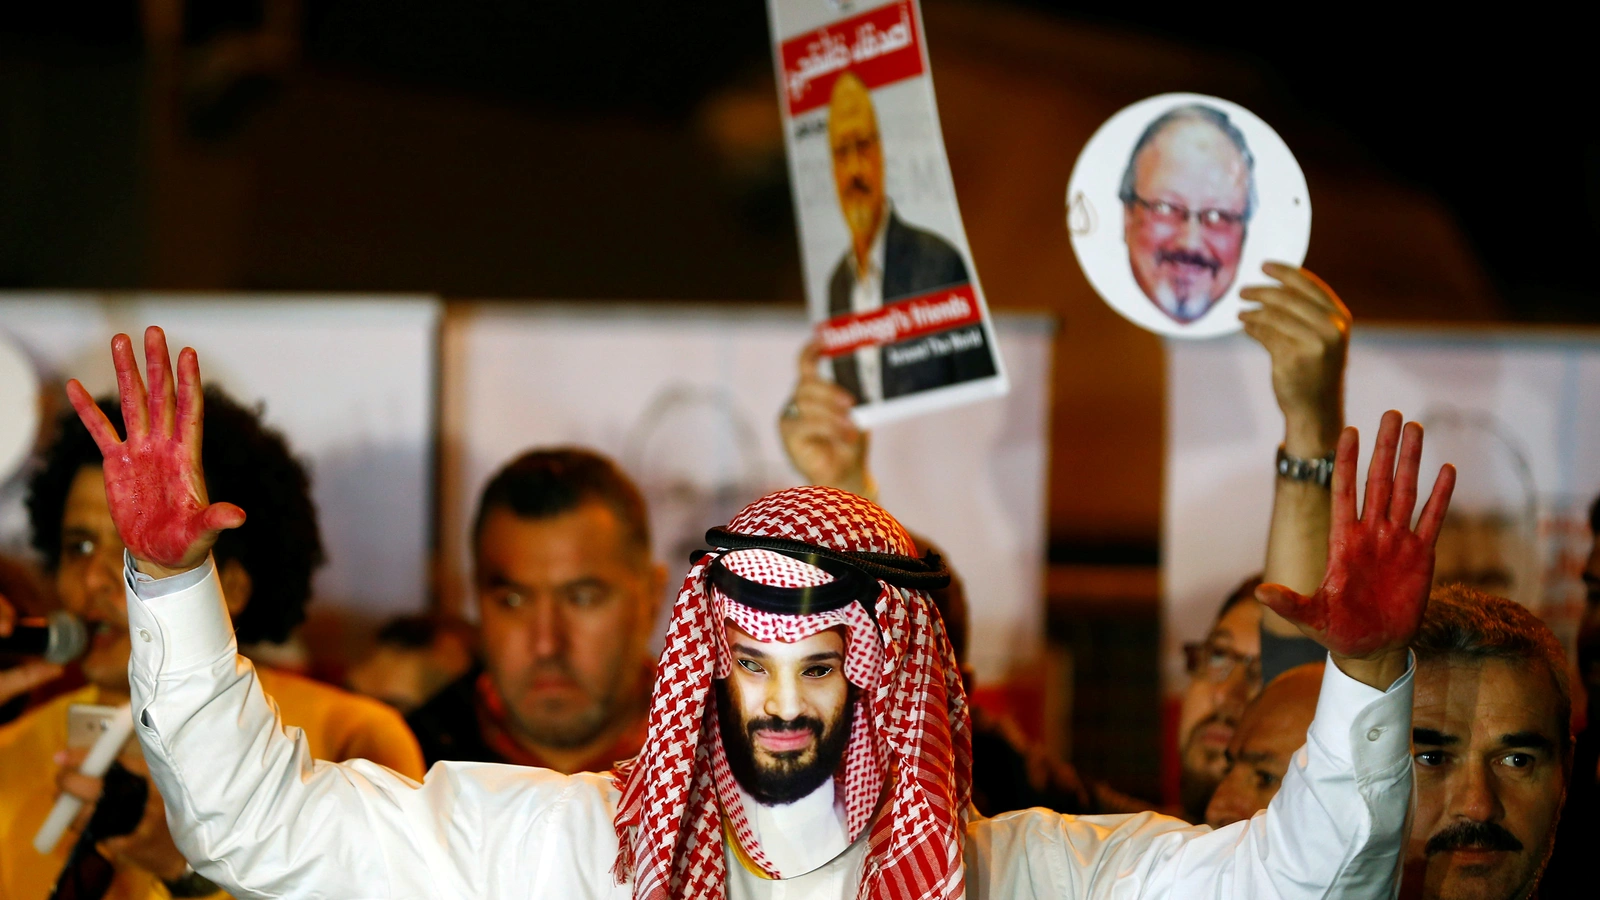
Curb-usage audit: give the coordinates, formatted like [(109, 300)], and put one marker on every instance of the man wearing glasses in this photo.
[(1224, 676), (1187, 197)]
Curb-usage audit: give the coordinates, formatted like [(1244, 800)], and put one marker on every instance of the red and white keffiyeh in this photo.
[(911, 729)]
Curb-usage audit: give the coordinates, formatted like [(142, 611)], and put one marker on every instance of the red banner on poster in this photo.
[(916, 317), (880, 46)]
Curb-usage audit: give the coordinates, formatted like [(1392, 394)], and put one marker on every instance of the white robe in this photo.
[(256, 814)]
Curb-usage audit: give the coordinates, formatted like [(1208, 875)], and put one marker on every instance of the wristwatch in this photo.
[(190, 884), (1317, 471)]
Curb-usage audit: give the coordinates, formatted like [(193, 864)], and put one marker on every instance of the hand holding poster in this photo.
[(1177, 198), (900, 318)]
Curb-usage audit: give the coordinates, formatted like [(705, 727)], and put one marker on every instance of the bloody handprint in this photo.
[(1380, 570), (154, 481)]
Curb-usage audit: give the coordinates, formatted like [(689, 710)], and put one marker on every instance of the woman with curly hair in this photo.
[(265, 568)]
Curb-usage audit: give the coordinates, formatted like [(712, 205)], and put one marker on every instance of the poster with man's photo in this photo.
[(900, 320)]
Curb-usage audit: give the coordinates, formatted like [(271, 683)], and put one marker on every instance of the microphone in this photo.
[(60, 638)]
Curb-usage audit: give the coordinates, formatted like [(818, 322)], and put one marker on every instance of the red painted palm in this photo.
[(154, 481), (1380, 569)]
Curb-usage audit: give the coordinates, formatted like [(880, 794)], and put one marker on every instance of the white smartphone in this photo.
[(86, 722)]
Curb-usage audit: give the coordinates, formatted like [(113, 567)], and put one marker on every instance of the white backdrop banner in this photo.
[(687, 398), (349, 381), (1518, 412)]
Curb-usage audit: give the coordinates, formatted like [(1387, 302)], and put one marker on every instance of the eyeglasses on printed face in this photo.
[(1205, 659), (1172, 215), (848, 147)]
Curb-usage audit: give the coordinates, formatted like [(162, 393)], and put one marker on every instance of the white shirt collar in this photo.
[(875, 253), (800, 836)]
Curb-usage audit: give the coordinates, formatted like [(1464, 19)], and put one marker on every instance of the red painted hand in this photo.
[(154, 481), (1379, 570)]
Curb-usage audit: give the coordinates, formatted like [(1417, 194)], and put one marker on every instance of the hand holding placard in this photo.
[(818, 435)]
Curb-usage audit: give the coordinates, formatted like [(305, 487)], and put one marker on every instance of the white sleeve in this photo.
[(253, 812), (1337, 827)]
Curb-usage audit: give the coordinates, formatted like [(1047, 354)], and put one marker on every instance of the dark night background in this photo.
[(539, 150), (1486, 113)]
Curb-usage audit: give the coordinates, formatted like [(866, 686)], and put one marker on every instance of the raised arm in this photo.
[(244, 800), (1305, 329), (1337, 826), (154, 482), (1380, 569)]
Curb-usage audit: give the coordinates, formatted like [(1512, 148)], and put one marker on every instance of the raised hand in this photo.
[(1379, 573), (1305, 328), (154, 481), (822, 443)]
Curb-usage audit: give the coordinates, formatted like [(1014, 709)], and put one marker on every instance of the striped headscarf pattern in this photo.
[(911, 733)]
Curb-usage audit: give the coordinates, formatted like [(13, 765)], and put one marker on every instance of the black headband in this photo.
[(925, 573), (849, 584)]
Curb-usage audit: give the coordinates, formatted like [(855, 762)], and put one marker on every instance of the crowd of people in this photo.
[(806, 723)]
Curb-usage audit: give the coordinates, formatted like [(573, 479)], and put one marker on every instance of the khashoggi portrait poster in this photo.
[(1175, 203), (899, 316)]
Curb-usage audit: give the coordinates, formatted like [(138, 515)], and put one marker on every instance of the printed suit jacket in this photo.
[(915, 262)]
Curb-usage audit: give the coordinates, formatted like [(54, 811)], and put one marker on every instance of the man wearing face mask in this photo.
[(808, 618), (265, 575)]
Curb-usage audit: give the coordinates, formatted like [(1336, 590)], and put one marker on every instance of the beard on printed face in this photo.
[(778, 777)]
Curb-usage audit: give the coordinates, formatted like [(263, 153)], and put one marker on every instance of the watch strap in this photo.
[(1318, 471)]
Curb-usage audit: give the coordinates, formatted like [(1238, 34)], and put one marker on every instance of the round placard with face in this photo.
[(1176, 202)]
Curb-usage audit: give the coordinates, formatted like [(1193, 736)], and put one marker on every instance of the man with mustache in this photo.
[(1492, 742), (777, 760), (889, 260), (1187, 196), (567, 596), (811, 604)]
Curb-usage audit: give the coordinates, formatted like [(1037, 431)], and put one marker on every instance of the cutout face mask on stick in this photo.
[(1173, 198)]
